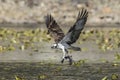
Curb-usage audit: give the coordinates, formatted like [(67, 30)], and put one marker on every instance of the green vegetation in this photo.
[(79, 63), (105, 39), (113, 77), (9, 38)]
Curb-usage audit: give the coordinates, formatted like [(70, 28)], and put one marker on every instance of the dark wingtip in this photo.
[(48, 19), (83, 13)]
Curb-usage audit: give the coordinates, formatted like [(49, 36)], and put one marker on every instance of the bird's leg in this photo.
[(66, 56), (70, 59)]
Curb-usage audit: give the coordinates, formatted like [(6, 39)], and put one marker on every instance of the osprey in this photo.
[(62, 41)]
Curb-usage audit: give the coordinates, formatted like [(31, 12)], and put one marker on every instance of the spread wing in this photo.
[(74, 32), (53, 29)]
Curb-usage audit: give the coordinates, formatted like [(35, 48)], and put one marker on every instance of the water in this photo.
[(41, 71), (54, 71)]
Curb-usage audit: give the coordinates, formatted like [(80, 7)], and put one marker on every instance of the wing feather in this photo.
[(53, 29), (75, 30)]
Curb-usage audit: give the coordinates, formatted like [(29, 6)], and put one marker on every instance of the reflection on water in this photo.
[(38, 71)]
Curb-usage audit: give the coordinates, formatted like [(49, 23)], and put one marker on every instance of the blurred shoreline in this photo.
[(22, 26), (64, 11)]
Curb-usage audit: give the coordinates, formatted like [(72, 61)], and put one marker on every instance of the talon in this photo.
[(66, 57), (62, 60), (70, 61)]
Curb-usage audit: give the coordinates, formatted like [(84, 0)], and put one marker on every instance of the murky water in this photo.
[(41, 71)]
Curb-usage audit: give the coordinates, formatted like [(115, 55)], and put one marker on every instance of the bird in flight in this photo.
[(62, 41)]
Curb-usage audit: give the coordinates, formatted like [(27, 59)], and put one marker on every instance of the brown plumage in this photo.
[(54, 29)]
